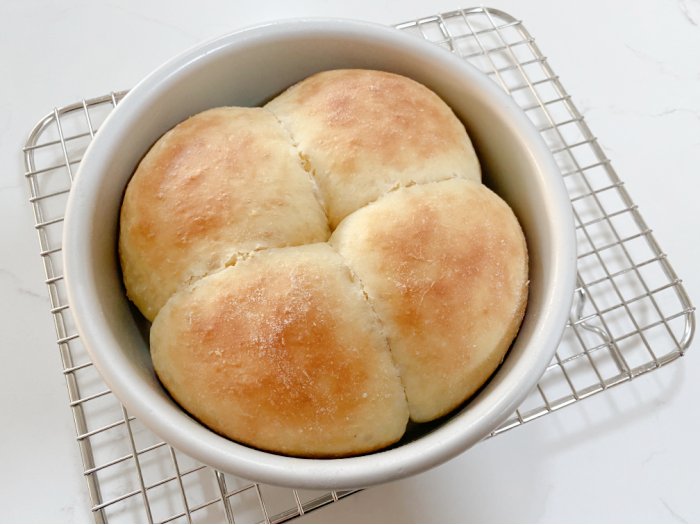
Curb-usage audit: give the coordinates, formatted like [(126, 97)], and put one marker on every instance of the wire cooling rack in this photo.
[(631, 314)]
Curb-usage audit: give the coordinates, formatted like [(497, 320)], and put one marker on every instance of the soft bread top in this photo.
[(445, 268), (282, 352), (364, 133), (224, 182)]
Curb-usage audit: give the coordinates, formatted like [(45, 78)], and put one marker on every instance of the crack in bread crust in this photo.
[(356, 279), (305, 164)]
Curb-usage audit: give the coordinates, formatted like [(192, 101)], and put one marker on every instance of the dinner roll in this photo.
[(276, 334), (221, 184), (282, 352), (445, 267), (364, 133)]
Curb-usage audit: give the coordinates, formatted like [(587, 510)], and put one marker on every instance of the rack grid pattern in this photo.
[(631, 314)]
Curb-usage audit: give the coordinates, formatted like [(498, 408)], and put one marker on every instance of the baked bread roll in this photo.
[(282, 352), (277, 339), (445, 267), (365, 133), (221, 184)]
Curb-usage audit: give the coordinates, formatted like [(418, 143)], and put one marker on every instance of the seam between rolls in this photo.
[(231, 260), (400, 186), (356, 279), (241, 256), (305, 164)]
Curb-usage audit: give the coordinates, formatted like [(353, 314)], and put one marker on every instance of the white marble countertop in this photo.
[(633, 70)]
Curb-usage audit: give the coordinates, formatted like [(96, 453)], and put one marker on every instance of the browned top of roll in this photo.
[(445, 267), (224, 182), (364, 133), (282, 352)]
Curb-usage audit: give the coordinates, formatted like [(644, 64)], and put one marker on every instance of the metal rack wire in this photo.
[(631, 314)]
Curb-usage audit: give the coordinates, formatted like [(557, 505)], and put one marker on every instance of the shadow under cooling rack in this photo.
[(631, 314)]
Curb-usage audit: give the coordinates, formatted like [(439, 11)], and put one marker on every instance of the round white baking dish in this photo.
[(247, 68)]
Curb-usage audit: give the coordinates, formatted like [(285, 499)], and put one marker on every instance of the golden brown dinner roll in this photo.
[(445, 268), (364, 133), (277, 339), (222, 183), (282, 352)]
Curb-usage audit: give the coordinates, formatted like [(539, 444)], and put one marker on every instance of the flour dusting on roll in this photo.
[(282, 352)]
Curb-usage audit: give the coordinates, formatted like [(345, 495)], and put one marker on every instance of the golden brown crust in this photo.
[(269, 353), (224, 182), (367, 132), (303, 347), (445, 267)]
